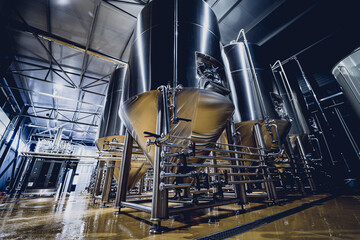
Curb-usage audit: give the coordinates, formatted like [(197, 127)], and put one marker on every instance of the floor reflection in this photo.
[(75, 217)]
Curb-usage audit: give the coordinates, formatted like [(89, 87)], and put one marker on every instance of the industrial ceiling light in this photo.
[(63, 2)]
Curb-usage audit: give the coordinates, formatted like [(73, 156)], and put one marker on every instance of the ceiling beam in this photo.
[(62, 41), (51, 95), (60, 120), (56, 70), (54, 83), (64, 129), (126, 2), (65, 110), (120, 9)]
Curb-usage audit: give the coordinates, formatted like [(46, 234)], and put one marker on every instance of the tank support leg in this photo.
[(98, 180), (240, 191), (108, 182), (269, 185), (124, 171), (294, 167), (305, 163), (159, 208)]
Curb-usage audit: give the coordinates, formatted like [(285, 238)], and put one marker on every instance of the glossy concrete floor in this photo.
[(75, 217)]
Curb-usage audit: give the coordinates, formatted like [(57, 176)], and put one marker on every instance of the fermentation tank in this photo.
[(111, 128), (176, 44), (251, 95), (289, 105), (347, 74)]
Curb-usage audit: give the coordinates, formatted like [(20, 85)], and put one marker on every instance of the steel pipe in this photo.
[(213, 149), (208, 165), (170, 175), (136, 206)]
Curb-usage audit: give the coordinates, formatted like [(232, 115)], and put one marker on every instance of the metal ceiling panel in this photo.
[(33, 18), (39, 100), (126, 54), (113, 30), (99, 66), (38, 86), (88, 97), (27, 45), (72, 19), (237, 19), (221, 7), (133, 9)]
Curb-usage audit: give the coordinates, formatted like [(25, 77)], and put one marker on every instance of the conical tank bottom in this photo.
[(247, 134), (137, 167), (207, 110)]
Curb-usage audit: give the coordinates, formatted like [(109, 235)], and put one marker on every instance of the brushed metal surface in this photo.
[(242, 84), (251, 96), (347, 74), (111, 125), (171, 39), (176, 42)]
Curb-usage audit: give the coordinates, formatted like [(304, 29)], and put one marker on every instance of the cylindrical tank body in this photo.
[(251, 94), (177, 42), (347, 74), (288, 104), (111, 125), (112, 129), (250, 103), (174, 42)]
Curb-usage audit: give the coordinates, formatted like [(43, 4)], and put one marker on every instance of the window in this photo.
[(4, 122)]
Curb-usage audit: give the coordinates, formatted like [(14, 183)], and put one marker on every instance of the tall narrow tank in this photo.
[(251, 95), (177, 42), (347, 74), (287, 96), (288, 105), (111, 127)]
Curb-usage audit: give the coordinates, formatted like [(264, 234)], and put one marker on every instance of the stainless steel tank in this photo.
[(111, 127), (347, 74), (288, 106), (177, 42), (250, 92)]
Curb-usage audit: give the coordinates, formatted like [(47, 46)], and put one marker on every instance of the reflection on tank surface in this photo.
[(179, 49)]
